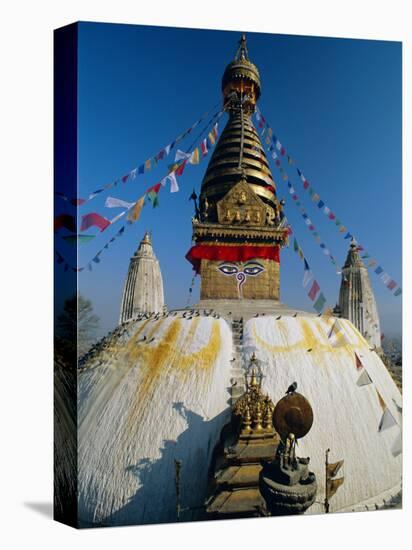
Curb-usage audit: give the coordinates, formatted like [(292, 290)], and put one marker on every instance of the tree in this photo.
[(77, 321)]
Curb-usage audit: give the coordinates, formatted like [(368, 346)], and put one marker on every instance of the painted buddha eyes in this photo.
[(250, 268), (253, 269), (228, 269)]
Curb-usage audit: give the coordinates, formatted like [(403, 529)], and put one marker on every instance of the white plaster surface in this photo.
[(144, 403)]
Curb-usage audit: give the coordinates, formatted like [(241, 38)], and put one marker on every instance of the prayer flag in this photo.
[(174, 188), (387, 420), (93, 219), (397, 292), (295, 245), (147, 165), (212, 138), (348, 236), (321, 204), (204, 147), (313, 290), (181, 155), (333, 469), (214, 131), (378, 270), (140, 170), (364, 378), (320, 302), (112, 202), (134, 213), (305, 184), (392, 284), (180, 169), (167, 149), (385, 278), (333, 485), (307, 277), (358, 362), (195, 157), (315, 197)]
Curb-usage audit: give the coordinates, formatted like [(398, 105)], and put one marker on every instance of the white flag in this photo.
[(307, 277), (174, 188), (112, 202), (364, 379), (387, 420), (182, 155), (167, 149)]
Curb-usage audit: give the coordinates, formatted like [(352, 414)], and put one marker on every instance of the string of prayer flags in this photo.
[(390, 283), (319, 300), (145, 166), (309, 224)]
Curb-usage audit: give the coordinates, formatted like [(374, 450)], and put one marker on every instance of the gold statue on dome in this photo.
[(254, 407)]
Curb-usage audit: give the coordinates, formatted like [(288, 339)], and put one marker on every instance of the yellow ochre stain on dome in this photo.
[(309, 340), (157, 361)]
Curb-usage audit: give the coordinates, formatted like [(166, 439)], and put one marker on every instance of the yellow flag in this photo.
[(135, 212), (333, 469), (195, 158), (333, 485)]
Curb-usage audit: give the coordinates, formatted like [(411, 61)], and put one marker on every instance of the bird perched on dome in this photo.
[(292, 388)]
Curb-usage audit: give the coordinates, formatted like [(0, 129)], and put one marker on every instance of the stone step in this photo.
[(233, 477), (244, 501)]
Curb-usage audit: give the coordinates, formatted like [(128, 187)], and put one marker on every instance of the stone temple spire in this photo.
[(143, 290), (356, 299)]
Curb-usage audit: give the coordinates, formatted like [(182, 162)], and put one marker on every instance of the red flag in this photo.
[(204, 147), (277, 162), (93, 219), (331, 216), (179, 171), (305, 184), (65, 220), (155, 188), (391, 285), (314, 290)]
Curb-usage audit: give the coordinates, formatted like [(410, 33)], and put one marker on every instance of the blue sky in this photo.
[(334, 103)]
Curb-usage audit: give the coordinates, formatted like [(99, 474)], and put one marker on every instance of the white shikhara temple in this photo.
[(143, 290), (159, 390)]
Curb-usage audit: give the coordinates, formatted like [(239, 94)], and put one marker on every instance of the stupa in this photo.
[(157, 395)]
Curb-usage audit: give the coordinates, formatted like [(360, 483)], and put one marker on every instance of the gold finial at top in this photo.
[(242, 52), (146, 238)]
